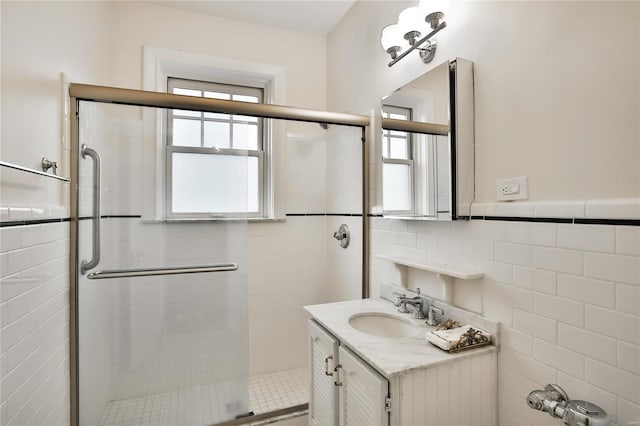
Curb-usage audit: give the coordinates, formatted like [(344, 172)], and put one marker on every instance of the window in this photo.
[(215, 162), (397, 164)]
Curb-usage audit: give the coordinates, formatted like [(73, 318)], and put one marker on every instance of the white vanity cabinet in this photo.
[(323, 394), (363, 392), (361, 380), (345, 390)]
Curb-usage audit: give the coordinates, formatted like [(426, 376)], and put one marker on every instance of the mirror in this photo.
[(426, 176)]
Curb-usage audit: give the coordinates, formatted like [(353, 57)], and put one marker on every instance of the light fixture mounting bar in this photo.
[(418, 43)]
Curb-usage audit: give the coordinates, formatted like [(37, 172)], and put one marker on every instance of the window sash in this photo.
[(387, 136), (411, 185), (212, 151), (230, 119), (202, 118)]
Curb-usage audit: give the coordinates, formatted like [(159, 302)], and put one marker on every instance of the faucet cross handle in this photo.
[(431, 314), (399, 302)]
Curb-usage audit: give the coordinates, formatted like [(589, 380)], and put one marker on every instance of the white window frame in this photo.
[(258, 153), (158, 65), (386, 158)]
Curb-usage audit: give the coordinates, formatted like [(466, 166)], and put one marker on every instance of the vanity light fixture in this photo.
[(411, 25)]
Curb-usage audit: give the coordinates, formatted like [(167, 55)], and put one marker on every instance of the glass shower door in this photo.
[(162, 332)]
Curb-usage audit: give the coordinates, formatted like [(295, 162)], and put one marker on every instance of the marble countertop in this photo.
[(390, 356)]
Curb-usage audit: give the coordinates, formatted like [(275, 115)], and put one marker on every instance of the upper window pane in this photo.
[(245, 136), (215, 130), (186, 132), (216, 135), (245, 118), (245, 98), (217, 95), (396, 116), (186, 92), (398, 148)]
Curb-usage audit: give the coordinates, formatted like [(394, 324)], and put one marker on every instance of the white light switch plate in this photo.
[(512, 189)]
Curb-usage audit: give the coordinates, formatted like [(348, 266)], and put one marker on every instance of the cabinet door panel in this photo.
[(323, 395), (362, 394)]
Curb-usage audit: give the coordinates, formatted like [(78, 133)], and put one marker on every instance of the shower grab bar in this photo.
[(34, 171), (95, 259), (148, 272)]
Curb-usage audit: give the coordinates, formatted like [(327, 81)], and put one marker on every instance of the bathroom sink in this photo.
[(383, 325)]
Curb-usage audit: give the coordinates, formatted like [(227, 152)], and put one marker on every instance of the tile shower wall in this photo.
[(287, 270), (34, 331), (567, 297), (344, 195)]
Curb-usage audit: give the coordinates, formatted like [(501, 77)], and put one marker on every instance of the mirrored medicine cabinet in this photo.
[(428, 145)]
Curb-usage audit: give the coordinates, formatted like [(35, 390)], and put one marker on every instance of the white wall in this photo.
[(40, 40), (542, 91), (567, 295), (135, 24)]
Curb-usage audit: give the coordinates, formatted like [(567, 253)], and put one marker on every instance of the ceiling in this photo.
[(314, 16)]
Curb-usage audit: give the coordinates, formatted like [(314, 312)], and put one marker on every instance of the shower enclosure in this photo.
[(162, 328)]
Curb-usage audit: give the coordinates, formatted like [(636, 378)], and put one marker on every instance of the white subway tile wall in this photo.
[(287, 270), (567, 297), (34, 324)]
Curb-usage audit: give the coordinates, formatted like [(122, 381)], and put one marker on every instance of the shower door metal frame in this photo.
[(141, 98)]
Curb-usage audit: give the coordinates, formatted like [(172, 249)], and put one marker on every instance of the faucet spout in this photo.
[(418, 304)]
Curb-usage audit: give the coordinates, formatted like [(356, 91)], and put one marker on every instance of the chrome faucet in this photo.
[(417, 302)]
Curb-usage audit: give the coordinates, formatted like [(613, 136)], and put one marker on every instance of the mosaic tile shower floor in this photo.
[(203, 405)]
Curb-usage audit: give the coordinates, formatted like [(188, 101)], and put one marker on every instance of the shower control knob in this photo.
[(343, 235)]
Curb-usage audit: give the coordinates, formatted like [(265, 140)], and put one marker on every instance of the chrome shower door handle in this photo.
[(95, 259)]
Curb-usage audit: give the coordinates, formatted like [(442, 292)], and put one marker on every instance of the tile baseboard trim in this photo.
[(577, 221), (22, 214), (113, 216), (615, 209), (12, 223), (324, 214)]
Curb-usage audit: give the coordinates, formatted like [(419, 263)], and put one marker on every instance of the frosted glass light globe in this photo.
[(391, 37), (412, 19)]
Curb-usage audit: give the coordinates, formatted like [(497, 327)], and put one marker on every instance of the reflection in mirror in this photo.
[(428, 176)]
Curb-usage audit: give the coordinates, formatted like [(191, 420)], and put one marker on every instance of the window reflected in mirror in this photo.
[(429, 176)]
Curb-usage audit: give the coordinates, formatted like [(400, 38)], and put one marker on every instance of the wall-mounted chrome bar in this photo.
[(149, 272), (95, 259), (34, 171), (415, 127)]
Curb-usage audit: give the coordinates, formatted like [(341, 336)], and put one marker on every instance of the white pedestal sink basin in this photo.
[(383, 325)]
